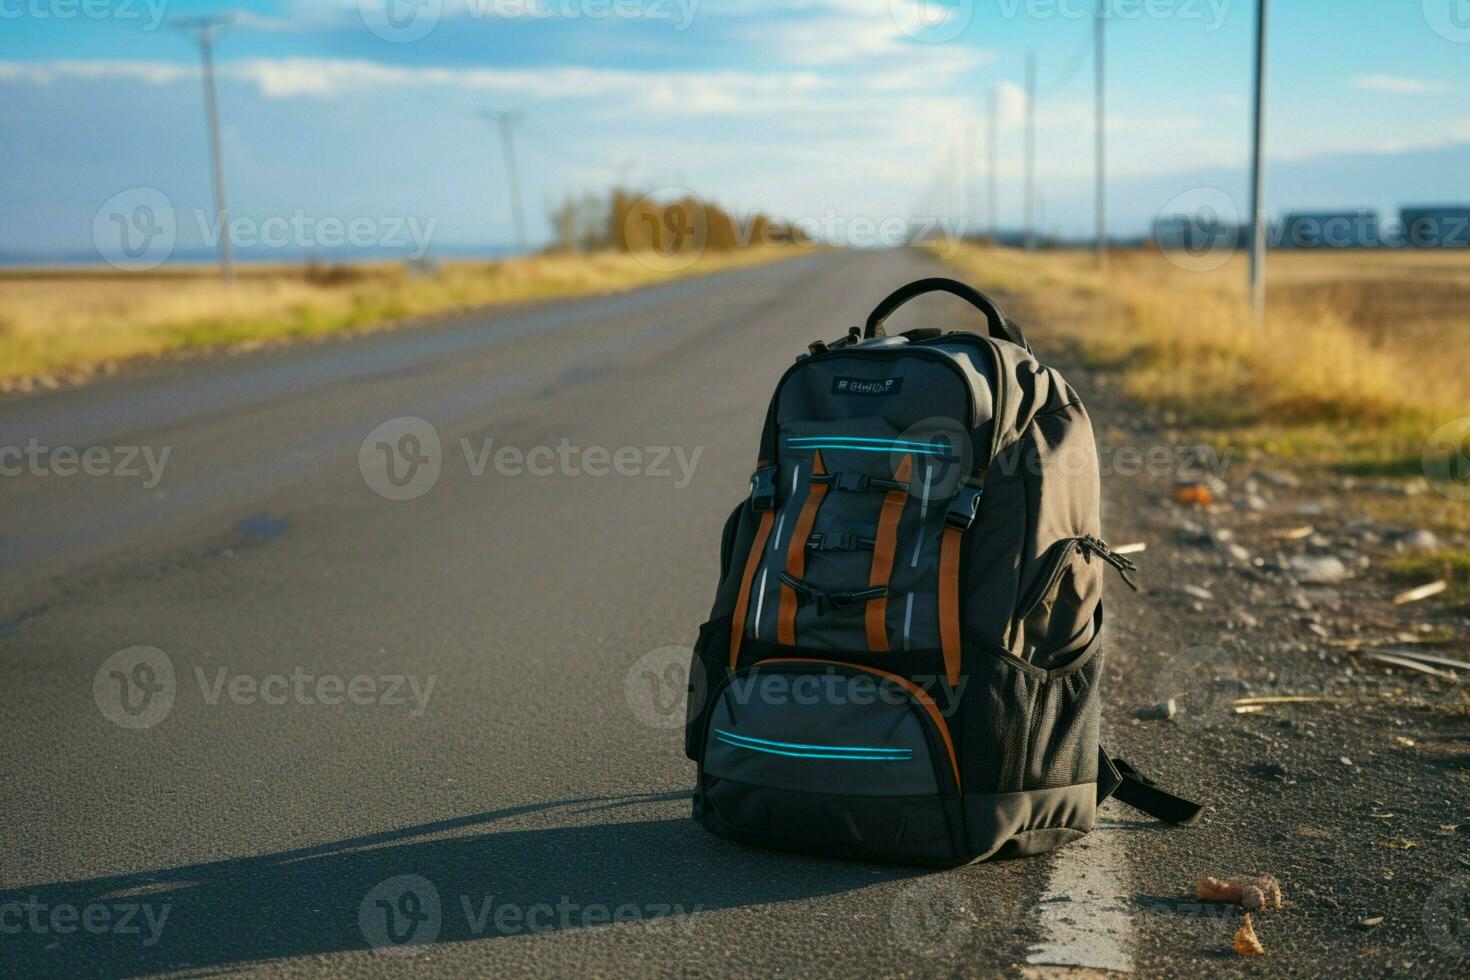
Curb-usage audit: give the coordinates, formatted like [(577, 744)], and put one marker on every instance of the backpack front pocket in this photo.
[(825, 757)]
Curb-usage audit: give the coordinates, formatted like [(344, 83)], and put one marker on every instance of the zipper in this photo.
[(936, 731), (1123, 564)]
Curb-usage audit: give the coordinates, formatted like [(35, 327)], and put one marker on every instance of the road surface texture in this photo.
[(445, 720)]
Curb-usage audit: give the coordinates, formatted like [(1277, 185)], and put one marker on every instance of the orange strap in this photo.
[(752, 562), (796, 552), (949, 601), (884, 548)]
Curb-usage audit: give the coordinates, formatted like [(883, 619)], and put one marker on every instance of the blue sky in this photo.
[(828, 110)]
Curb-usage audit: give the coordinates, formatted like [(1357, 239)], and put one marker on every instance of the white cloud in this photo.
[(1398, 85)]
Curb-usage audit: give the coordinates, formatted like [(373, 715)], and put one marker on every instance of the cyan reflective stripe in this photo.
[(797, 748), (817, 755), (890, 448), (882, 442)]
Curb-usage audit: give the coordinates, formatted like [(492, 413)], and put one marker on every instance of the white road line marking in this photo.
[(1084, 912)]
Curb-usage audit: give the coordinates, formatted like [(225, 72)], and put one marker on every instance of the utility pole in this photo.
[(1259, 222), (969, 178), (205, 31), (507, 122), (1102, 147), (992, 147), (1030, 234)]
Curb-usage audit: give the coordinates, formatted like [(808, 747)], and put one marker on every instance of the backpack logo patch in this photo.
[(866, 386)]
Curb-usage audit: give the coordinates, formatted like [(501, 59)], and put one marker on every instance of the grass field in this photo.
[(1364, 357), (65, 325)]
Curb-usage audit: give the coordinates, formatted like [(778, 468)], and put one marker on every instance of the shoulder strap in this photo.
[(1121, 781)]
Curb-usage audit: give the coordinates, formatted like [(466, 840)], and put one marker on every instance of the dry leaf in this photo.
[(1261, 892), (1195, 493), (1246, 942)]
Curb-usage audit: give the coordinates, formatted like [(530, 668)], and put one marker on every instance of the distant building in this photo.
[(1330, 229), (1443, 226)]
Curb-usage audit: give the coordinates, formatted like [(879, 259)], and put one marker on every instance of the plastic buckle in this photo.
[(833, 541), (763, 488), (850, 482), (964, 505)]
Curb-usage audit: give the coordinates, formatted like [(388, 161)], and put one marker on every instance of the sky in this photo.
[(831, 112)]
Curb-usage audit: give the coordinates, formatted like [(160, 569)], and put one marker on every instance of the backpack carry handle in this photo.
[(1000, 327)]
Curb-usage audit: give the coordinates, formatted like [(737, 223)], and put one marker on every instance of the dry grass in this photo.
[(1363, 355), (69, 324)]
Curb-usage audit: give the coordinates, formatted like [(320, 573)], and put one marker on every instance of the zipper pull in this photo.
[(1122, 563)]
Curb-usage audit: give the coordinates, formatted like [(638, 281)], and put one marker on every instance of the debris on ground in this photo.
[(1420, 540), (1410, 663), (1131, 548), (1162, 711), (1296, 533), (1194, 493), (1317, 569), (1421, 592), (1260, 892), (1370, 922), (1246, 941)]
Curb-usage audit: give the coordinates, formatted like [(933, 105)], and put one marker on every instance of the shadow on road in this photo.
[(440, 882)]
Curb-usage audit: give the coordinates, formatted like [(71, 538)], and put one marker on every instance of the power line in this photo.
[(507, 122), (1030, 194), (205, 31), (1101, 135), (992, 146)]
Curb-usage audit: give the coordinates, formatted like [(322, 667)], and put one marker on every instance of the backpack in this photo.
[(904, 654)]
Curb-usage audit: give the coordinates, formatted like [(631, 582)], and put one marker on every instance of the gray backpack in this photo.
[(904, 656)]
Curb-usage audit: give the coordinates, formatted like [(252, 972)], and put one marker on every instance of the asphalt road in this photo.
[(464, 686)]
